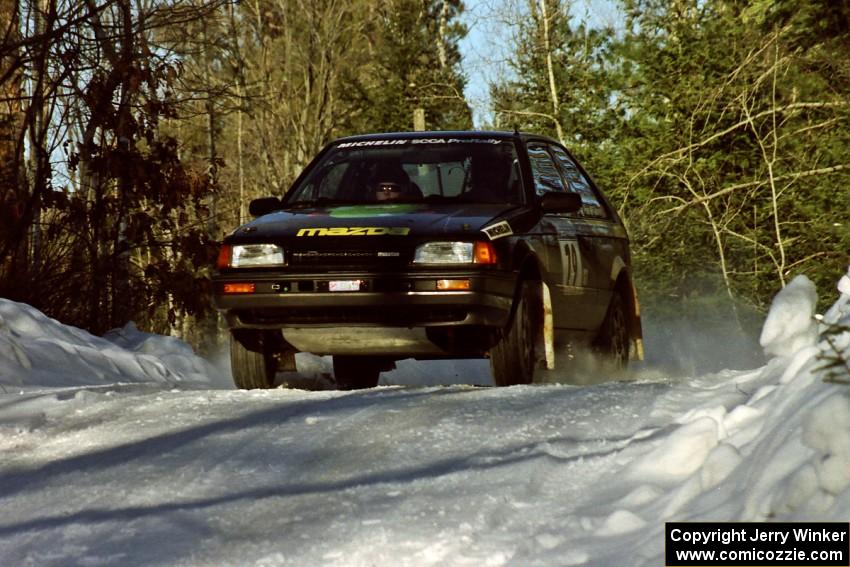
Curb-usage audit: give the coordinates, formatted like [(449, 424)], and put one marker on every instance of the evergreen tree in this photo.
[(740, 142), (414, 63), (717, 126), (565, 84)]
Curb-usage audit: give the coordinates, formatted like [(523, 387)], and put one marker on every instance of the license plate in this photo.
[(344, 285)]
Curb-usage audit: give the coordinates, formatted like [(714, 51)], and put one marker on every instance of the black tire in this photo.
[(513, 359), (356, 372), (612, 344), (252, 369)]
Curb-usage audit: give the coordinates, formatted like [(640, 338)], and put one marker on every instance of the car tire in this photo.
[(612, 344), (252, 369), (356, 372), (512, 359)]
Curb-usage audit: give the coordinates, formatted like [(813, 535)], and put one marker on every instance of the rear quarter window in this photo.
[(546, 176), (591, 204)]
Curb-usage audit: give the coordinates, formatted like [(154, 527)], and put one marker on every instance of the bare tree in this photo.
[(754, 218), (88, 89)]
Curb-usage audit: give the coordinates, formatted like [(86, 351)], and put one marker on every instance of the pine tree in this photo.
[(414, 63), (565, 85), (717, 128)]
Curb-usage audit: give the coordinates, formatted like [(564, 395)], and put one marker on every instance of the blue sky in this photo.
[(487, 47)]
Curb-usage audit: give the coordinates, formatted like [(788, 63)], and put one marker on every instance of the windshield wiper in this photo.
[(467, 199), (320, 202), (437, 198)]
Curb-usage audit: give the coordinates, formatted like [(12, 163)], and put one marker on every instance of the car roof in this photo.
[(473, 134)]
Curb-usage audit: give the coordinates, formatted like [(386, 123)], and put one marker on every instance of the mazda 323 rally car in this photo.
[(430, 245)]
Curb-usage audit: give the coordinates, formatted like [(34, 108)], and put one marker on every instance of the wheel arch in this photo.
[(624, 285), (529, 269), (256, 340)]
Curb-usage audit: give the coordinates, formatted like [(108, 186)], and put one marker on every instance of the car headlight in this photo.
[(255, 255), (455, 253), (443, 253)]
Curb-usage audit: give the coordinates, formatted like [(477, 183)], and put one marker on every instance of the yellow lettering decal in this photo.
[(355, 231)]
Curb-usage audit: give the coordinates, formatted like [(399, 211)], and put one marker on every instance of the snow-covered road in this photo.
[(394, 475), (401, 475), (137, 457)]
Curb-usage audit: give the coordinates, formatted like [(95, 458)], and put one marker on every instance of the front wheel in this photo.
[(613, 340), (255, 368), (512, 360), (356, 372)]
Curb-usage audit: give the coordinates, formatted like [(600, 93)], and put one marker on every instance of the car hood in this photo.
[(420, 219)]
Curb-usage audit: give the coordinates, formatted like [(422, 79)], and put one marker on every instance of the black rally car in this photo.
[(430, 245)]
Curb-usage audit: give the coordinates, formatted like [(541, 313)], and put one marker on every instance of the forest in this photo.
[(133, 134)]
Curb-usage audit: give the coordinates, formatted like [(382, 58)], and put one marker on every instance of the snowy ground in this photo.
[(131, 450)]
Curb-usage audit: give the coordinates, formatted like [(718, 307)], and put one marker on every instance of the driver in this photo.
[(388, 191), (391, 182)]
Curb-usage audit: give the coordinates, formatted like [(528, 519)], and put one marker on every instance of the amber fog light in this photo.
[(234, 288), (453, 285)]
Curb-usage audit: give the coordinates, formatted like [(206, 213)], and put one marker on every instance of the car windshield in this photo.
[(413, 170)]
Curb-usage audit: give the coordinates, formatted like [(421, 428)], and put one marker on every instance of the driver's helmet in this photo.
[(390, 182)]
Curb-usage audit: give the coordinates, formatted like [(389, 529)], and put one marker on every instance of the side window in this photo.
[(546, 176), (591, 204)]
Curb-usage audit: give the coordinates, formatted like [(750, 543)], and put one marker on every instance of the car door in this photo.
[(599, 238), (566, 274)]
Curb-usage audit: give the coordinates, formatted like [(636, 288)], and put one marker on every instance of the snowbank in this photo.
[(781, 455), (37, 351)]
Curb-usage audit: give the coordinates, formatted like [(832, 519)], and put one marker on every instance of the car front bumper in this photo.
[(397, 315)]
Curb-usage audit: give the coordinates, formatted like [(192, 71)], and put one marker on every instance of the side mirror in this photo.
[(264, 206), (553, 202)]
